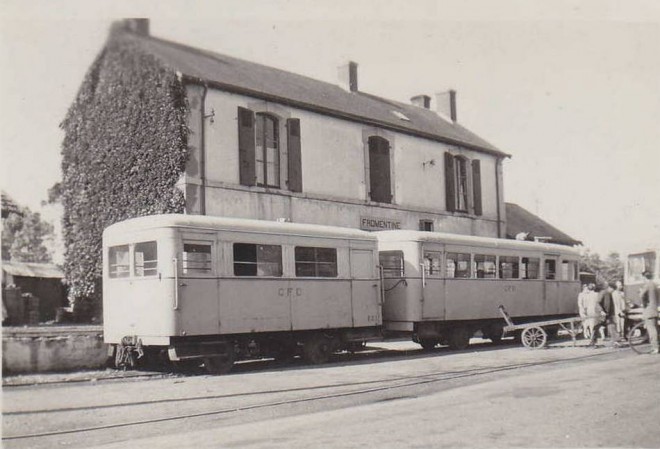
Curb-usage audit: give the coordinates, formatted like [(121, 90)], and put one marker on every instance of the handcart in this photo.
[(535, 335)]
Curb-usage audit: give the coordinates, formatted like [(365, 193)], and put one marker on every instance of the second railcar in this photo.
[(443, 288), (210, 289)]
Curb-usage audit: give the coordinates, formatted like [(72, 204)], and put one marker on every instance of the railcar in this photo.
[(636, 264), (442, 288), (212, 290)]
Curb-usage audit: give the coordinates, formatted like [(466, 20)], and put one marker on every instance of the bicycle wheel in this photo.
[(638, 339)]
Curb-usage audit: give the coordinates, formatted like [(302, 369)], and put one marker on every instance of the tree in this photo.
[(609, 270), (23, 236)]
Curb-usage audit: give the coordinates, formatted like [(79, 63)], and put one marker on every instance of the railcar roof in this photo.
[(459, 239), (235, 224)]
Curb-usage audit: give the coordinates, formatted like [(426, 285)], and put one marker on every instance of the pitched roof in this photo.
[(32, 270), (521, 220), (249, 78)]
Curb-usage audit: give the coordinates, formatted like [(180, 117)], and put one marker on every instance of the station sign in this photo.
[(378, 224)]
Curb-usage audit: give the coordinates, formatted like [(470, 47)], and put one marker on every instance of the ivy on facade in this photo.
[(125, 148)]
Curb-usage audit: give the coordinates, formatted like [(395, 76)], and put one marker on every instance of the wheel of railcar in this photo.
[(534, 337), (552, 332), (220, 364), (317, 349), (459, 338), (494, 333), (428, 343)]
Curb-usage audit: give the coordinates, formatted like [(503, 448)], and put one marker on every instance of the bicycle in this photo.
[(638, 339)]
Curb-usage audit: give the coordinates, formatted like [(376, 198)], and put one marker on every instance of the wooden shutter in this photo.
[(450, 183), (476, 186), (379, 170), (246, 147), (293, 147)]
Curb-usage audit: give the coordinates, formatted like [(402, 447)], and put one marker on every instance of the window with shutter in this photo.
[(476, 186), (379, 170), (294, 152), (450, 184), (267, 151), (461, 178), (246, 147)]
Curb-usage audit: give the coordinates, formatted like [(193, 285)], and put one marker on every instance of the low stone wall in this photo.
[(50, 349)]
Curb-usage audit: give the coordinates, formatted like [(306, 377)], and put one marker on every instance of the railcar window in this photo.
[(458, 265), (509, 267), (568, 270), (530, 267), (392, 263), (486, 266), (118, 261), (550, 269), (196, 258), (146, 259), (638, 263), (432, 264), (257, 260), (316, 262)]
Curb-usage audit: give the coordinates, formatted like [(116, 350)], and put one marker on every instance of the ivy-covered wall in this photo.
[(125, 148)]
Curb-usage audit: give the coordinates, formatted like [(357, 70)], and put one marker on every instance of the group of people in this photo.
[(607, 310)]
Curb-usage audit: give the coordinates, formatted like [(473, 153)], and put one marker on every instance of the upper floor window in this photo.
[(461, 180), (459, 183), (267, 141), (380, 187)]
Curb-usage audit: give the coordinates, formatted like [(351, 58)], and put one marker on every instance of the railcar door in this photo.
[(551, 284), (365, 289), (433, 284), (198, 284)]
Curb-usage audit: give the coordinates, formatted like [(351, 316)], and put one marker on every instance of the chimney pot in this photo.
[(137, 26), (423, 101), (348, 76)]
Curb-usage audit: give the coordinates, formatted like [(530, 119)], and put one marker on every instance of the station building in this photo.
[(273, 145)]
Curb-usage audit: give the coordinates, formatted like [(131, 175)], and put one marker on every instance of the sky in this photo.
[(570, 89)]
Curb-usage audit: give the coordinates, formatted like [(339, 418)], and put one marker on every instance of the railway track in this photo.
[(276, 397)]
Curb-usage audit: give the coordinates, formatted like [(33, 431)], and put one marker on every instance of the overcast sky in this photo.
[(570, 89)]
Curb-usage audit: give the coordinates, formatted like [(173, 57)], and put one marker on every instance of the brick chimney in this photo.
[(348, 76), (422, 101), (446, 104)]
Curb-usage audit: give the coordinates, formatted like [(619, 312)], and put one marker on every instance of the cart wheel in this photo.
[(638, 338), (534, 337)]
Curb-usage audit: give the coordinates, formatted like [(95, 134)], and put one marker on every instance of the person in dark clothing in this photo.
[(609, 316)]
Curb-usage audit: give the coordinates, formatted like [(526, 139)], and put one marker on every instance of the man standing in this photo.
[(607, 307), (582, 309), (594, 314), (649, 297), (620, 308)]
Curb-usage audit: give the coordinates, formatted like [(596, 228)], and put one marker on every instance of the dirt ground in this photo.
[(561, 397)]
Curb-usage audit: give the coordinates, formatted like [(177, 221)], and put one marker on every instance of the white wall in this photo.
[(334, 160)]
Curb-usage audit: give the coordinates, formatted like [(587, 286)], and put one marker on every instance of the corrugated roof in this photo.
[(32, 270), (521, 220), (237, 75)]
